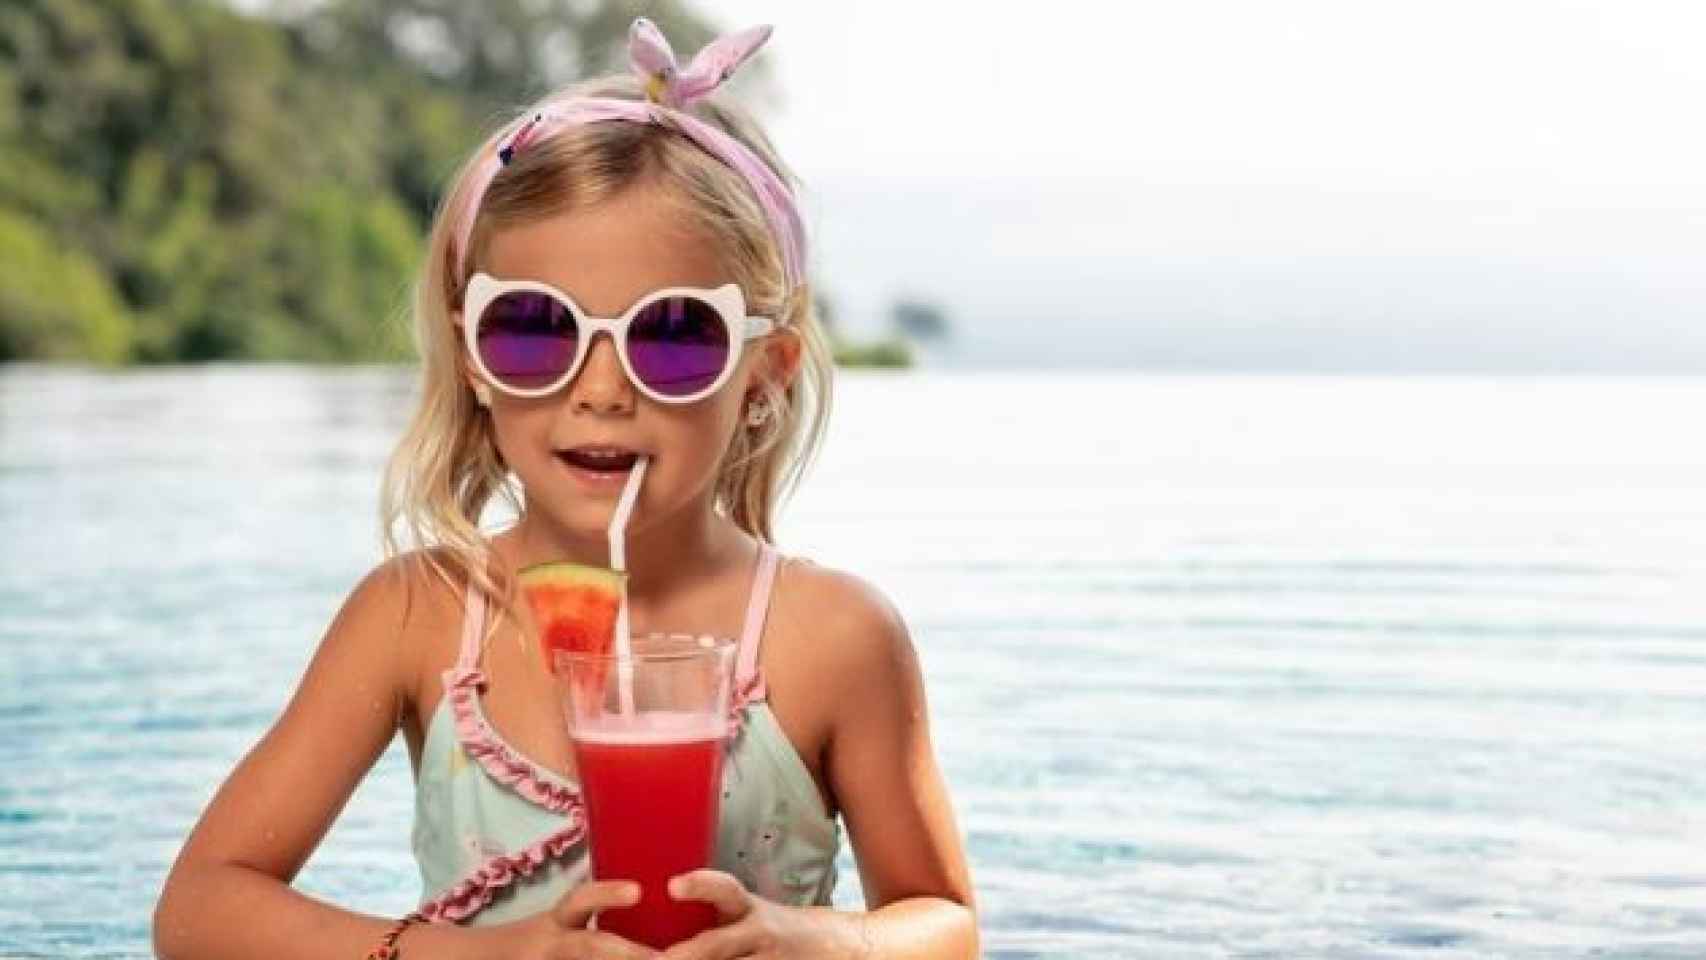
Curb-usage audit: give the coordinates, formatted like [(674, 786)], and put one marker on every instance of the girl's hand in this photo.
[(561, 933), (755, 927)]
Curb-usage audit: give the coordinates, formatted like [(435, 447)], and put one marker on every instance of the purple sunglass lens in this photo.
[(527, 339), (678, 345)]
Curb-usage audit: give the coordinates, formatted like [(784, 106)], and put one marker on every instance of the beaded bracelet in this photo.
[(387, 949)]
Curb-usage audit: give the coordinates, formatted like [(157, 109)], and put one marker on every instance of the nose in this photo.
[(601, 386)]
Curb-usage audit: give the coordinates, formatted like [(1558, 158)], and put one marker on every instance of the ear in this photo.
[(779, 360)]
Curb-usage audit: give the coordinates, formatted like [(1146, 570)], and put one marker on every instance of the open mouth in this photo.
[(599, 459)]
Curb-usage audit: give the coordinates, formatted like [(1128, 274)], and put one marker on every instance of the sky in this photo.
[(1240, 183), (1362, 91)]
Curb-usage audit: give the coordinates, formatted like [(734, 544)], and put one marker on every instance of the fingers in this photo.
[(581, 903), (719, 889), (720, 943), (593, 945)]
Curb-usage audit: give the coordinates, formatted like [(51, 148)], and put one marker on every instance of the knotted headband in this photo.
[(669, 90)]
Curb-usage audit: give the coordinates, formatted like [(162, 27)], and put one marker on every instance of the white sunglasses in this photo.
[(677, 345)]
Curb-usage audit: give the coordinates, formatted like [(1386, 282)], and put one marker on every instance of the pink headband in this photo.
[(669, 90)]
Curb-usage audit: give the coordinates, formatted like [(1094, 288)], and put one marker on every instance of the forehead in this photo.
[(608, 255)]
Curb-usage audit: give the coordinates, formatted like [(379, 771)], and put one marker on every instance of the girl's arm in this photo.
[(882, 770), (229, 894)]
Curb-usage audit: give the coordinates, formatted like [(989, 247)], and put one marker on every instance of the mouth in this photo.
[(603, 460)]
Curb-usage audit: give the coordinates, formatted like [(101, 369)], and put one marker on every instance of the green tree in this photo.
[(498, 53), (55, 303), (181, 181)]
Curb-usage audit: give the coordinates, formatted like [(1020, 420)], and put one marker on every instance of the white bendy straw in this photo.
[(619, 563)]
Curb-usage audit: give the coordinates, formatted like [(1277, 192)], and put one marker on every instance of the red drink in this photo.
[(652, 785), (648, 726)]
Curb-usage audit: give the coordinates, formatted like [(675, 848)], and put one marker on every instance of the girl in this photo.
[(649, 200)]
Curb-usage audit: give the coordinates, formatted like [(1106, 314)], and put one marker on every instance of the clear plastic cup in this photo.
[(651, 775)]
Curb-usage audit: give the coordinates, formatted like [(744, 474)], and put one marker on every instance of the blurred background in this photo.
[(1277, 423)]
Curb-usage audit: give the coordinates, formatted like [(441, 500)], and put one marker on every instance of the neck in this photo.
[(664, 554)]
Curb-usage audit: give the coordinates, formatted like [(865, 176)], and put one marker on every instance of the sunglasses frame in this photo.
[(727, 300)]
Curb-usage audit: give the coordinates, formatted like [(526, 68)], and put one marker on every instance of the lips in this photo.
[(600, 458)]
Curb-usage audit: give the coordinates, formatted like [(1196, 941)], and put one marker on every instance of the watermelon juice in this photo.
[(652, 784)]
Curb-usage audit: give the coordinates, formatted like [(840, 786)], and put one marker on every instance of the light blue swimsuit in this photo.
[(499, 837)]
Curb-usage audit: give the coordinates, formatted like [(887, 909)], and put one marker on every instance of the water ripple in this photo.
[(1215, 691)]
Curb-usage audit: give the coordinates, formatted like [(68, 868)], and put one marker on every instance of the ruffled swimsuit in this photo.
[(499, 837)]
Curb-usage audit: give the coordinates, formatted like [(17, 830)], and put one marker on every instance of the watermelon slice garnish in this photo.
[(575, 607)]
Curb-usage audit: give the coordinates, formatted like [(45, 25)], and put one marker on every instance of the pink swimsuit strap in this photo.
[(508, 766), (749, 679)]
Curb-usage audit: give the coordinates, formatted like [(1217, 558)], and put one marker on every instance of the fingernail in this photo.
[(675, 888)]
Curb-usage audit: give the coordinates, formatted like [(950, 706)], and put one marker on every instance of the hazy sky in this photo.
[(1531, 165), (1245, 90)]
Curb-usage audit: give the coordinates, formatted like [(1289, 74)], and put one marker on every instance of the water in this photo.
[(1253, 667)]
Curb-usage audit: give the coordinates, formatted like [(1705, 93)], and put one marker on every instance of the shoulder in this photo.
[(420, 585), (849, 628), (402, 610), (840, 603)]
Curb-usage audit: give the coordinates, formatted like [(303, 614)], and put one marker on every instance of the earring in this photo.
[(756, 413), (482, 395)]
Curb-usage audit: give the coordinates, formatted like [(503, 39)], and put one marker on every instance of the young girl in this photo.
[(648, 200)]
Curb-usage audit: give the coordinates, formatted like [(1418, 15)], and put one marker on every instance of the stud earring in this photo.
[(756, 413), (482, 395)]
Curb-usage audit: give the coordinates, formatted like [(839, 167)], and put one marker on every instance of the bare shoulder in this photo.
[(403, 592), (847, 628), (407, 608), (418, 587)]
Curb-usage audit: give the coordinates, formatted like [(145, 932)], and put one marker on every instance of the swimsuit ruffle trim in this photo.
[(753, 691), (474, 892), (511, 769), (495, 756)]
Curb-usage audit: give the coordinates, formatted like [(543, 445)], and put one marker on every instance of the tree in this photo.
[(180, 181), (497, 53), (920, 318)]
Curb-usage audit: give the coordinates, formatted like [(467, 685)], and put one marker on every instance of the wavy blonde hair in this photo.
[(446, 468)]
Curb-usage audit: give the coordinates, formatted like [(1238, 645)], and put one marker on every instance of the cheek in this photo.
[(702, 438), (517, 435)]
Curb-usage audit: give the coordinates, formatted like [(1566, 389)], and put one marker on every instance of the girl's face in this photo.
[(607, 258)]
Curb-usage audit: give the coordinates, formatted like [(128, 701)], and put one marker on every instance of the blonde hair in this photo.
[(447, 468)]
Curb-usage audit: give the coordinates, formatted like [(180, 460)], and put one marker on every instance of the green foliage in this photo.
[(182, 182), (496, 53), (55, 304), (879, 353)]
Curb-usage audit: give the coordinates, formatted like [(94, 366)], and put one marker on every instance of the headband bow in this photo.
[(665, 83), (668, 90)]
